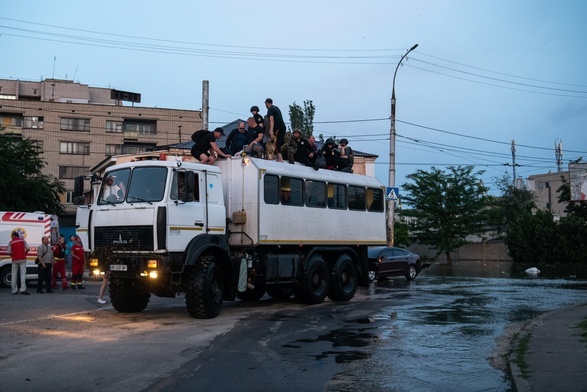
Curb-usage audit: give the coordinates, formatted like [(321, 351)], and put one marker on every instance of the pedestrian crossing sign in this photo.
[(392, 193)]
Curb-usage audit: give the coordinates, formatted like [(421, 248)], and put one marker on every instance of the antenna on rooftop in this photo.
[(558, 152), (54, 60)]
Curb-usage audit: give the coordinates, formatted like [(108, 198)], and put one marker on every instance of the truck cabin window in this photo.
[(114, 187), (147, 184)]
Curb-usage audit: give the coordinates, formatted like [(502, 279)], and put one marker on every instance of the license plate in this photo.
[(118, 267)]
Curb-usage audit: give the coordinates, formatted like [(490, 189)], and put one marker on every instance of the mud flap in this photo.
[(242, 276)]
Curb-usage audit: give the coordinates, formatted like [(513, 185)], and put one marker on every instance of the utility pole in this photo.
[(514, 160), (391, 203), (205, 104)]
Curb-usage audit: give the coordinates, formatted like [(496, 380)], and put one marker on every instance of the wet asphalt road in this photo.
[(434, 334)]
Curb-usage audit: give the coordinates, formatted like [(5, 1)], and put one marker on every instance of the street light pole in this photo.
[(391, 203)]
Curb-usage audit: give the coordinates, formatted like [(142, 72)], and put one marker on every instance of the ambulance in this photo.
[(31, 226)]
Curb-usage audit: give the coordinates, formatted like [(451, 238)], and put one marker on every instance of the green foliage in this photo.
[(302, 119), (401, 235), (22, 185), (449, 206), (510, 205)]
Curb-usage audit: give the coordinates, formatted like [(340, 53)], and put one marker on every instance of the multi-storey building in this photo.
[(77, 126)]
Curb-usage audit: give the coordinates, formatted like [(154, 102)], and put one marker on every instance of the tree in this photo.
[(302, 119), (575, 208), (449, 206), (22, 185), (512, 203)]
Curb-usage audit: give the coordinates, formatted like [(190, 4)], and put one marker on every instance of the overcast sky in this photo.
[(485, 72)]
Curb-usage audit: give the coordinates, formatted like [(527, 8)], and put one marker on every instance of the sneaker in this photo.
[(25, 293), (101, 301)]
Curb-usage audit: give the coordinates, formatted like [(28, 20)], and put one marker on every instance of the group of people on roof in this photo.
[(267, 137)]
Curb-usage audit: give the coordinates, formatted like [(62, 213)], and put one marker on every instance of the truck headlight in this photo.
[(151, 264), (93, 262)]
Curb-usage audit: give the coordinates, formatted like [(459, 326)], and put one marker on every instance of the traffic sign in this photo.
[(392, 193)]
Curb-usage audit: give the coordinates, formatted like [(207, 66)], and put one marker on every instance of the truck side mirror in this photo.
[(78, 190)]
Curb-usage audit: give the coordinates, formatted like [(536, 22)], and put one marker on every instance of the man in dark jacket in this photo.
[(303, 151)]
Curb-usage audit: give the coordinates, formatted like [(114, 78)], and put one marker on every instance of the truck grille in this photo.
[(137, 238)]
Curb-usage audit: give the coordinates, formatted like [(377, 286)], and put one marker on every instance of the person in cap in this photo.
[(18, 249), (331, 154), (257, 116), (203, 150), (276, 126)]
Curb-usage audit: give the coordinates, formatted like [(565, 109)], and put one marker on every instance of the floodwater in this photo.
[(438, 333)]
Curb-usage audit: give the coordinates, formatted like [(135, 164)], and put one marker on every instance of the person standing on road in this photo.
[(18, 249), (45, 262), (68, 257), (59, 266), (105, 280), (78, 262)]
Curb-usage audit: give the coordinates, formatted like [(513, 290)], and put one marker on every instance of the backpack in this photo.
[(199, 135)]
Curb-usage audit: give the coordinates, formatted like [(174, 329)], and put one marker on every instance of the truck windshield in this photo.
[(147, 184), (114, 187)]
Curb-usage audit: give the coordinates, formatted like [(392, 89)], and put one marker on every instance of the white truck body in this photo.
[(230, 230), (31, 226)]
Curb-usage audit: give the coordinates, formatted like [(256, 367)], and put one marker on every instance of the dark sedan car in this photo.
[(393, 261)]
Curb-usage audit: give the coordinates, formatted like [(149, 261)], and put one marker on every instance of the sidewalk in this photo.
[(556, 357)]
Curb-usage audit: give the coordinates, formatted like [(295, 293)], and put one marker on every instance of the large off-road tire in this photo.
[(204, 288), (127, 296), (252, 295), (279, 292), (314, 284), (343, 279)]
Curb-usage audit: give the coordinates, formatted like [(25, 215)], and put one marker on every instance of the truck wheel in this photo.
[(127, 297), (203, 294), (314, 285), (343, 279), (252, 295), (279, 292), (5, 276)]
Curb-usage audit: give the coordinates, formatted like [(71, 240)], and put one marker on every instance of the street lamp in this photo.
[(391, 203)]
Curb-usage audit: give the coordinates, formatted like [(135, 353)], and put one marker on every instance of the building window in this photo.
[(11, 120), (34, 122), (141, 127), (68, 172), (113, 126), (75, 124), (39, 144), (113, 149), (75, 148)]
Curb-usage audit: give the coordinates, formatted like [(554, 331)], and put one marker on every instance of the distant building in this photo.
[(77, 126), (544, 187)]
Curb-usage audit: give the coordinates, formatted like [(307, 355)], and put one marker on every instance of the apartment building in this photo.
[(77, 126)]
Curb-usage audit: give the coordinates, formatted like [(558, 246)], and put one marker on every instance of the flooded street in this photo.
[(439, 333)]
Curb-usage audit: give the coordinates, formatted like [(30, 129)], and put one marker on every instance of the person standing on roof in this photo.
[(276, 126), (257, 116), (18, 249), (203, 149)]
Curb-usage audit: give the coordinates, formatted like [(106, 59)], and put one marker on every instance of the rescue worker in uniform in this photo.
[(78, 261), (59, 252)]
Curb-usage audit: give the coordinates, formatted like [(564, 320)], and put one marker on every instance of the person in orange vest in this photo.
[(77, 264), (59, 267), (18, 249)]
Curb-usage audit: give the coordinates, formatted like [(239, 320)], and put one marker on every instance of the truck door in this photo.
[(186, 217)]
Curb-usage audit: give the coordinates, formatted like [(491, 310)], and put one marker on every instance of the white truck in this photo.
[(240, 228), (31, 226)]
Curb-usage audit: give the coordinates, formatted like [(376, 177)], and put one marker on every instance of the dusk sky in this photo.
[(485, 72)]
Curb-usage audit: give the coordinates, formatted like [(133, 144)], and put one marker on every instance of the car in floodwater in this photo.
[(386, 261)]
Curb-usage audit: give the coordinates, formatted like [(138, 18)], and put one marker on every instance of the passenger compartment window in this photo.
[(375, 200), (337, 196), (315, 193), (356, 198), (271, 189), (292, 191)]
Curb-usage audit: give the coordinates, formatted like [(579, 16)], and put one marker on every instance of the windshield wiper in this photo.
[(138, 199)]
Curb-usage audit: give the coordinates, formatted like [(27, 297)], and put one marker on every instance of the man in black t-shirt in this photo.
[(201, 150), (276, 126)]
